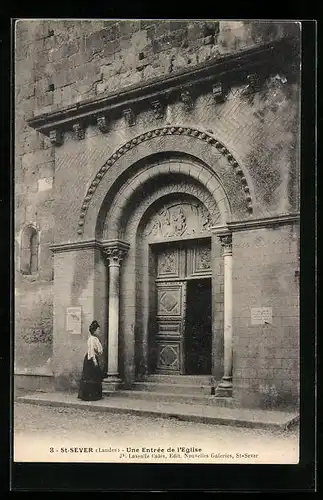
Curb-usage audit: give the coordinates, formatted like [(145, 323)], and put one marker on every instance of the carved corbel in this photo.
[(187, 99), (158, 109), (79, 131), (102, 123), (130, 117), (218, 92), (253, 83), (56, 137)]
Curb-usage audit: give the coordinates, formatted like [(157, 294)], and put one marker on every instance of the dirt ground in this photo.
[(53, 434)]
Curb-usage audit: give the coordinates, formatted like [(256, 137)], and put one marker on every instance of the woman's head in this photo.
[(94, 327)]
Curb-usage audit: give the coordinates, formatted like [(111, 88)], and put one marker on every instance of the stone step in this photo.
[(179, 379), (159, 387), (178, 398)]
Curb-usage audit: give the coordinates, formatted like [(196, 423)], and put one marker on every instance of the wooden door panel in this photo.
[(168, 357), (199, 262), (169, 301), (171, 306), (168, 263)]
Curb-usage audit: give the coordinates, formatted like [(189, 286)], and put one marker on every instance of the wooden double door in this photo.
[(182, 339)]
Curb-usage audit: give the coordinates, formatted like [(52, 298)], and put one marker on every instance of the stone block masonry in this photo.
[(60, 64), (91, 59), (266, 356)]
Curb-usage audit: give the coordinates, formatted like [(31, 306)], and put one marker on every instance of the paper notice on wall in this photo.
[(74, 320), (45, 183), (261, 315)]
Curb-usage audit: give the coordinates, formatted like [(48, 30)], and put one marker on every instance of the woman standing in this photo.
[(91, 381)]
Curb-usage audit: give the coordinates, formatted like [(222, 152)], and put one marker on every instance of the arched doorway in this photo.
[(164, 213), (106, 270), (173, 237)]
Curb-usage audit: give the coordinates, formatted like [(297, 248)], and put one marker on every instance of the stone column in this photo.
[(114, 252), (225, 386)]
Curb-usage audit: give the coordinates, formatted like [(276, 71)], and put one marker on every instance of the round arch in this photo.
[(176, 188), (200, 150), (138, 268), (172, 176), (29, 248)]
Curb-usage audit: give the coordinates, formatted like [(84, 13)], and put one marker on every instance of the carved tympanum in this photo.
[(180, 219)]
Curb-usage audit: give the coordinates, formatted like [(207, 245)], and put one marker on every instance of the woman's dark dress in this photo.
[(91, 382)]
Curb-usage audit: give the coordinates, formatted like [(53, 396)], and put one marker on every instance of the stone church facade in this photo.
[(157, 191)]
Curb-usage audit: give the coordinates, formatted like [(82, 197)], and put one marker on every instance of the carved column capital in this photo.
[(129, 116), (56, 137), (226, 242), (102, 123), (79, 131), (115, 251), (114, 256)]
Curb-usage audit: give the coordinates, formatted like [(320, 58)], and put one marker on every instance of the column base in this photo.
[(220, 392), (111, 383), (224, 389)]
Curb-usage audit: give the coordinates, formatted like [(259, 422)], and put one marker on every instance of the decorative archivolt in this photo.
[(175, 194), (187, 131)]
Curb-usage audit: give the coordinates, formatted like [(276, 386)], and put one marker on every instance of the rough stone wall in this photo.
[(80, 281), (65, 62), (266, 357), (60, 63), (34, 176), (33, 326)]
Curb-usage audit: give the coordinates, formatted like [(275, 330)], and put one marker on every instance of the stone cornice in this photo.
[(107, 245), (75, 245), (88, 244), (220, 231), (204, 74), (264, 222)]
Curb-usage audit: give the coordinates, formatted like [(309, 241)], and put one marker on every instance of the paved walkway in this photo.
[(270, 419)]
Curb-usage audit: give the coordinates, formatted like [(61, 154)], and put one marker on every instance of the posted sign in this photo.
[(261, 315), (74, 320)]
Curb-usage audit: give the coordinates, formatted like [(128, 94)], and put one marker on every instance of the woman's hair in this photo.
[(93, 326)]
